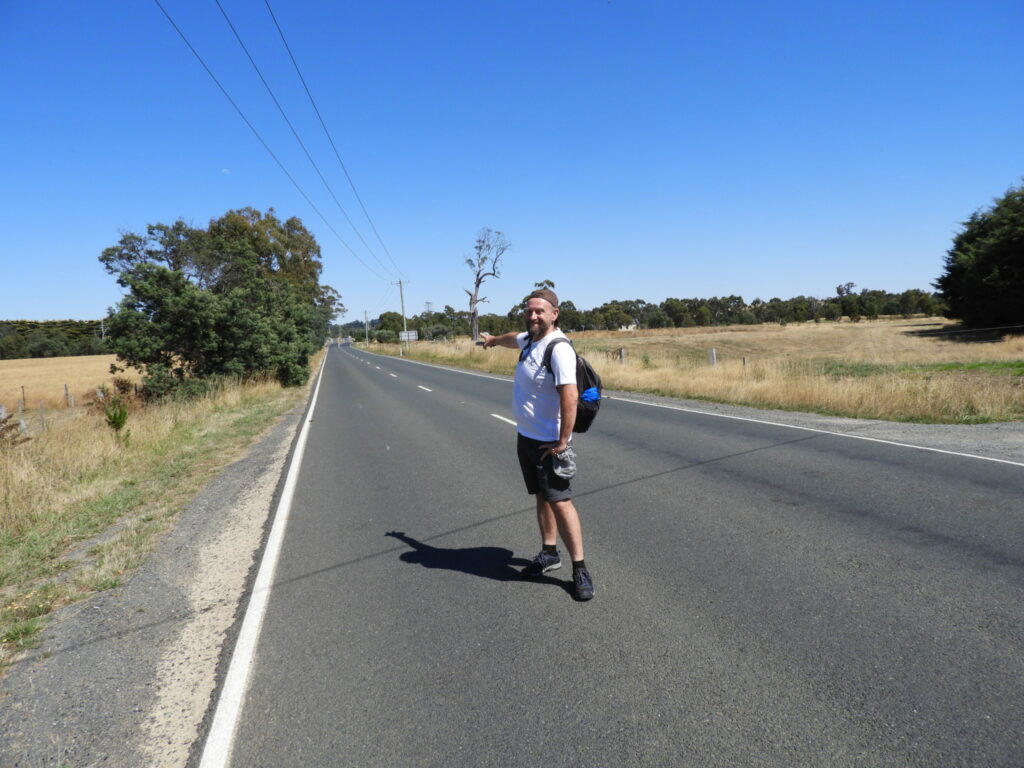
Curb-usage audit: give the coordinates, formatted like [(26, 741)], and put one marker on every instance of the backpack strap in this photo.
[(525, 351), (550, 349)]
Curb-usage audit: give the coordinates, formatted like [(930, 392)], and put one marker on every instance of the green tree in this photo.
[(12, 346), (831, 311), (704, 315), (927, 304), (983, 281), (871, 303), (390, 321), (43, 344), (241, 298), (851, 307), (495, 324), (911, 302), (569, 318), (437, 331), (678, 312)]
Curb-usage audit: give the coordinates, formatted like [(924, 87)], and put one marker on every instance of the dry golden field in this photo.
[(882, 369), (44, 379), (77, 478)]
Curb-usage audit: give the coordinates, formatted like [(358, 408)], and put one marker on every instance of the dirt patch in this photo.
[(186, 673)]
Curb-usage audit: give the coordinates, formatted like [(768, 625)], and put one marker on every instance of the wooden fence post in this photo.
[(622, 355), (42, 416), (713, 357)]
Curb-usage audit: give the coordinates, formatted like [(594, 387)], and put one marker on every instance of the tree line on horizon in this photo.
[(51, 338), (670, 313), (982, 285)]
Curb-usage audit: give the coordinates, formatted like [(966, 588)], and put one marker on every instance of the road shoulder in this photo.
[(125, 678), (1000, 440)]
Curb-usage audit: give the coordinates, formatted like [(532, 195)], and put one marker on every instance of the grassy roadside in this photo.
[(80, 508), (882, 369)]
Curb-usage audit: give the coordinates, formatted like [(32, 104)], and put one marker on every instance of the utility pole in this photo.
[(366, 325), (401, 294), (429, 306), (405, 326)]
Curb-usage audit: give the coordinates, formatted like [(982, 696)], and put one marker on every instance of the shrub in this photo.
[(116, 412)]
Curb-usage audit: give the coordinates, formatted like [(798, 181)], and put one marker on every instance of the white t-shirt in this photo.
[(535, 400)]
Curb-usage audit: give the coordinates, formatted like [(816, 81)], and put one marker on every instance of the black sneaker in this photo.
[(582, 584), (542, 563)]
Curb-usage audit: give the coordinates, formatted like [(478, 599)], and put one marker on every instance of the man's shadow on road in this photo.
[(494, 563)]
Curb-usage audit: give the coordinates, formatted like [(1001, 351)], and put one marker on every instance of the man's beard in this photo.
[(536, 333)]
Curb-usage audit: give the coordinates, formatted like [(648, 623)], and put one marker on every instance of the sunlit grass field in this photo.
[(44, 380), (879, 369)]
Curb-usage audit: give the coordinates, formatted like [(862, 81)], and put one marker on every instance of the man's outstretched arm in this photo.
[(505, 340)]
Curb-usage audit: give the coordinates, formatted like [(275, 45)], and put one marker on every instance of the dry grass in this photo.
[(879, 369), (44, 379), (79, 506)]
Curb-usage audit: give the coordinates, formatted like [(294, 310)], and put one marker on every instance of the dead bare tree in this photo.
[(490, 247)]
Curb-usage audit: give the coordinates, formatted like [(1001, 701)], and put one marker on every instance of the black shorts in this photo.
[(540, 475)]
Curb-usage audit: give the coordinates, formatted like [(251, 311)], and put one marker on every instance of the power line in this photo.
[(328, 134), (297, 138), (385, 298), (264, 143)]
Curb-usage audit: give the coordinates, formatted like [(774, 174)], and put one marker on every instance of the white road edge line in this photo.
[(822, 431), (502, 418), (746, 418), (220, 740), (425, 389)]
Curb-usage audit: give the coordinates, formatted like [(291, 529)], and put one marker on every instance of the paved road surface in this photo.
[(765, 596)]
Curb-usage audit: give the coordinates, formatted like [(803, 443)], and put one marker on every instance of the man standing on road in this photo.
[(545, 407)]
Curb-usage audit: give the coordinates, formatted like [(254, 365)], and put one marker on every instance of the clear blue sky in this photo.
[(628, 149)]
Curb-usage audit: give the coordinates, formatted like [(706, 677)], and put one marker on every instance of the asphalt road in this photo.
[(766, 596)]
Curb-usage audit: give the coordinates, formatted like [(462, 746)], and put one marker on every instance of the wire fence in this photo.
[(27, 420)]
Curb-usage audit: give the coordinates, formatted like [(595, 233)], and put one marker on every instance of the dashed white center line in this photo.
[(424, 388), (377, 367), (502, 418), (393, 376)]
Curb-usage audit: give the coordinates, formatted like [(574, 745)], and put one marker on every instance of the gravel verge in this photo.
[(125, 678)]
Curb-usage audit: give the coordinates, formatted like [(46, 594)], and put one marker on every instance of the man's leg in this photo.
[(568, 522), (546, 522), (572, 534), (548, 559)]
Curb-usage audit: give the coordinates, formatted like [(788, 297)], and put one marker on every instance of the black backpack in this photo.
[(587, 382)]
